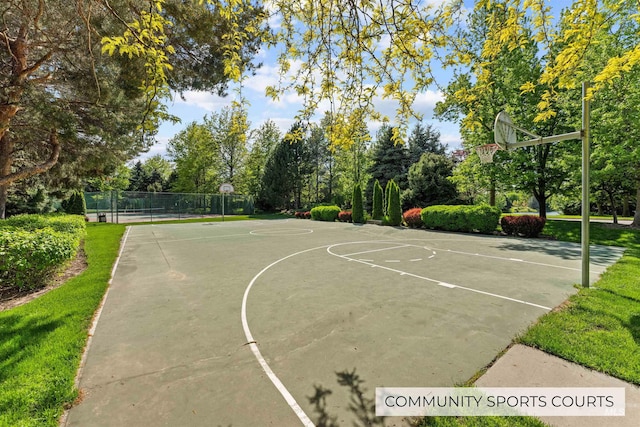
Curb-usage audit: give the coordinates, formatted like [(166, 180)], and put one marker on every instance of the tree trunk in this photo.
[(492, 193), (636, 218), (614, 208), (626, 209), (6, 152)]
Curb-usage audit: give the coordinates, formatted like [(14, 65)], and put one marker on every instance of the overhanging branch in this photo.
[(25, 173)]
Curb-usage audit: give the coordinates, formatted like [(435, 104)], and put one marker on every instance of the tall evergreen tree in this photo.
[(424, 139), (357, 213), (388, 161)]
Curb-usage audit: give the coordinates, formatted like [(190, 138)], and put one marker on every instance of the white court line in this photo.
[(511, 259), (379, 250), (291, 401), (437, 282)]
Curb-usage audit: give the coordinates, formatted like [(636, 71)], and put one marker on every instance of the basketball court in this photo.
[(241, 323)]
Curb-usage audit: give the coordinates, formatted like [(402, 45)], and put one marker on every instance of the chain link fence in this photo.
[(135, 206)]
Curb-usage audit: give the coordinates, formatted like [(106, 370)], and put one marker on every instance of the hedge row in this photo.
[(33, 247), (325, 213), (525, 225), (483, 219)]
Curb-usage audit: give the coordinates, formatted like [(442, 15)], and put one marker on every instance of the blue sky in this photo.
[(196, 105)]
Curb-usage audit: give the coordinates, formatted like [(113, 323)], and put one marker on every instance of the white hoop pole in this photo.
[(546, 139), (586, 134)]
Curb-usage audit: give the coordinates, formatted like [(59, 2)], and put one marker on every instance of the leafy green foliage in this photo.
[(598, 327), (33, 247), (483, 218), (394, 216), (429, 182), (523, 225), (43, 341), (325, 213), (389, 161), (358, 209), (378, 208), (413, 218), (75, 204)]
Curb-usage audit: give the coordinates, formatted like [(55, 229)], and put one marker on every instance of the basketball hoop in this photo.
[(486, 152)]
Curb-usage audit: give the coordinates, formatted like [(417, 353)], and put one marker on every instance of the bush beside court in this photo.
[(483, 218), (34, 247), (413, 218), (523, 225), (325, 213)]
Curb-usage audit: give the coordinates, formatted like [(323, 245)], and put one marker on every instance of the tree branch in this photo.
[(37, 169)]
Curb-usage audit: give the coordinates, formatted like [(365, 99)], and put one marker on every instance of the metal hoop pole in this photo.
[(586, 134)]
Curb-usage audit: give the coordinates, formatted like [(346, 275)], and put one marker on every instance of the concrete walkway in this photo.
[(523, 366)]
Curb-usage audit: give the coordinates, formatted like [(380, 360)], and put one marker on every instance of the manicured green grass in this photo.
[(598, 328), (41, 343), (481, 422)]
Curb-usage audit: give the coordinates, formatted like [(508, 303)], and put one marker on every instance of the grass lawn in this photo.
[(598, 328), (41, 343)]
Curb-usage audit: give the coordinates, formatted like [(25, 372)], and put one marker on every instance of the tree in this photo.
[(63, 102), (197, 168), (228, 133), (388, 161), (378, 208), (429, 182), (394, 216), (59, 100), (286, 172), (424, 139), (263, 139), (139, 180), (357, 213)]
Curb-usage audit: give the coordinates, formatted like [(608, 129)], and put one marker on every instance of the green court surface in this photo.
[(241, 323)]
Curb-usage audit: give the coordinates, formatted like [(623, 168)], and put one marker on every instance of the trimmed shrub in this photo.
[(523, 225), (33, 247), (302, 214), (75, 204), (378, 208), (358, 210), (344, 216), (387, 196), (394, 216), (63, 223), (483, 218), (325, 213), (413, 218)]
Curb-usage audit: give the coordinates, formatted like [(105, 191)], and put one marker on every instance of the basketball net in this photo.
[(486, 152)]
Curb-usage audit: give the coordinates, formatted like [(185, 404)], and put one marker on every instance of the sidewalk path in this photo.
[(523, 366)]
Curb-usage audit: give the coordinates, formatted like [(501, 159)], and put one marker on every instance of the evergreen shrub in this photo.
[(325, 213), (75, 204), (378, 205), (483, 218), (394, 216), (523, 225), (357, 215)]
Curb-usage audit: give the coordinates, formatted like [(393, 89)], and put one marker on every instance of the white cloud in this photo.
[(204, 100)]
